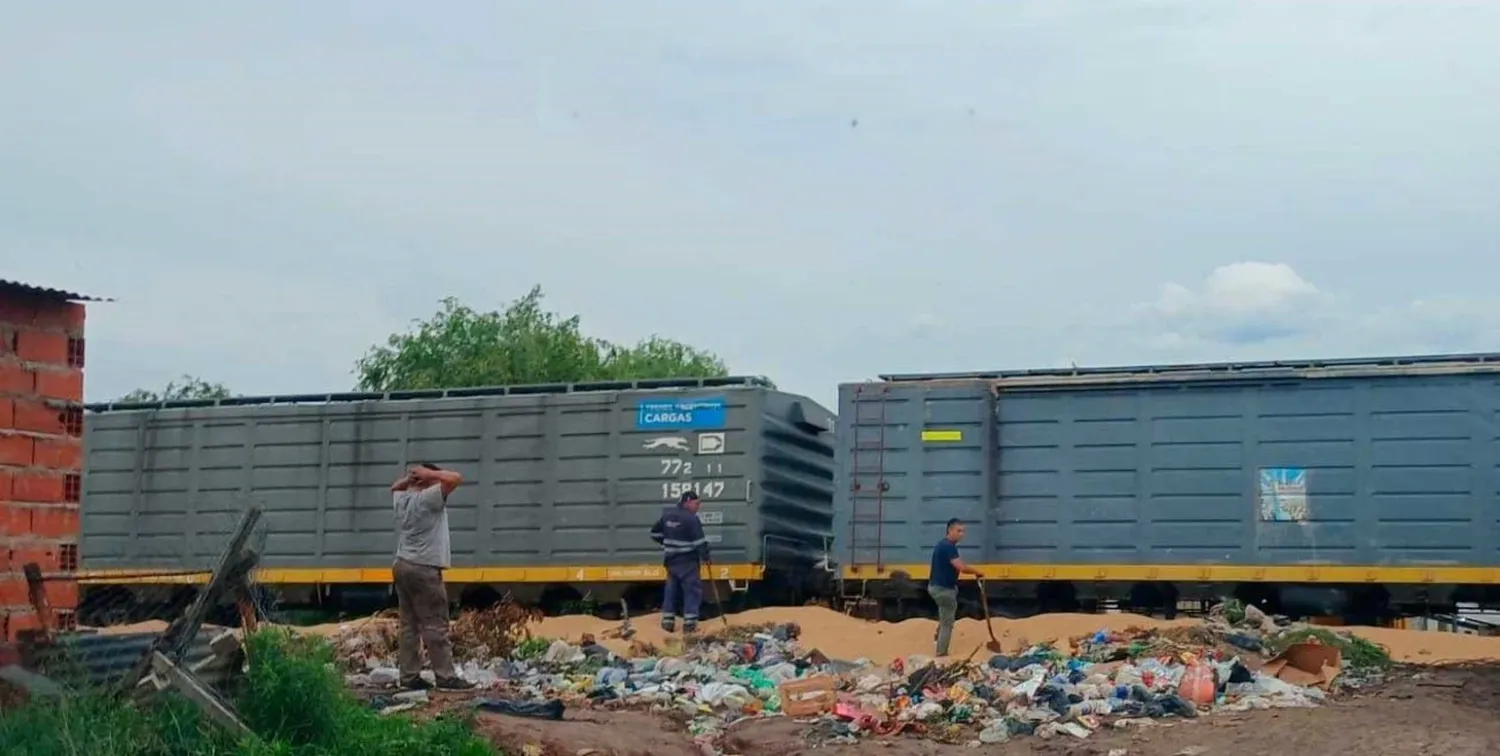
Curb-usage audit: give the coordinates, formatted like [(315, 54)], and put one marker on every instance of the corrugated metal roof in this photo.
[(1415, 364), (652, 384), (43, 291), (96, 661)]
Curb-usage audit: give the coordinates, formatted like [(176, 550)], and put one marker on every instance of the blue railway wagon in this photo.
[(1339, 487)]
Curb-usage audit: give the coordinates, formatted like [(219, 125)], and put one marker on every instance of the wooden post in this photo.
[(200, 694), (245, 603), (234, 566), (36, 592)]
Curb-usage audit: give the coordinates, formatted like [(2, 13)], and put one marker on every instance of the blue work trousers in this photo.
[(683, 583)]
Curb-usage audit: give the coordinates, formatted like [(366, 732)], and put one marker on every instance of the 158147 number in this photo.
[(708, 489)]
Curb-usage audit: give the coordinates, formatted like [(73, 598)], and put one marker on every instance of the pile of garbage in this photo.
[(1106, 679), (368, 646)]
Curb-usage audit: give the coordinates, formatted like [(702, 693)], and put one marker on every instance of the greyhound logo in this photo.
[(675, 443)]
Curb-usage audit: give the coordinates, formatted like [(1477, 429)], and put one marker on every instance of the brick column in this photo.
[(41, 453)]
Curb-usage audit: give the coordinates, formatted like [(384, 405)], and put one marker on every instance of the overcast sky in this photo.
[(819, 191)]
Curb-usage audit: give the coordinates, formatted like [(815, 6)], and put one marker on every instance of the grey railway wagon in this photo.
[(562, 482), (1373, 471)]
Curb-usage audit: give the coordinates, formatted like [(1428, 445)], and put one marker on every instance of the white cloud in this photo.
[(1240, 303), (1261, 310), (1252, 287)]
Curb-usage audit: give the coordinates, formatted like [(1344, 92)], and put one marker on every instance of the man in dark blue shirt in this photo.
[(943, 583)]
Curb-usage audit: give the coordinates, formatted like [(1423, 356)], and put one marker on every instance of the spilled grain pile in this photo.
[(844, 637)]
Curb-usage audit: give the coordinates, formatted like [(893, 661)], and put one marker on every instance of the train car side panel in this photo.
[(1387, 476), (559, 484), (909, 459)]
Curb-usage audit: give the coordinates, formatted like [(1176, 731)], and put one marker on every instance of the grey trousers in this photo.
[(947, 604), (424, 620)]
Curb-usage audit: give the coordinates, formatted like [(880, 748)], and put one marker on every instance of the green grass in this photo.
[(1234, 611), (533, 648), (292, 698), (93, 724), (1357, 653)]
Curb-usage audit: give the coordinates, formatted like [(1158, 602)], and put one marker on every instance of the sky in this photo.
[(820, 192)]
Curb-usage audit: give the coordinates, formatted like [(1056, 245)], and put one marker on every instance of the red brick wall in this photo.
[(41, 453)]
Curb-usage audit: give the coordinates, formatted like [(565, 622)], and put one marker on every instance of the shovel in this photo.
[(984, 603), (714, 586)]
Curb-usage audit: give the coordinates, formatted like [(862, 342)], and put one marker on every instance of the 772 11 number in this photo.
[(682, 467)]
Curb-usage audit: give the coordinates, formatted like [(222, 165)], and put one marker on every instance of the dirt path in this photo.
[(1449, 711), (620, 733)]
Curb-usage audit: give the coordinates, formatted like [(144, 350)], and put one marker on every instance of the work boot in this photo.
[(669, 624), (454, 683), (416, 683), (689, 627)]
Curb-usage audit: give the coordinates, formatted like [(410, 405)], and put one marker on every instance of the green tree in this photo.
[(186, 387), (657, 357), (459, 346)]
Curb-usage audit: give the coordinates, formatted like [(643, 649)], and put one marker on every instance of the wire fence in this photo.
[(152, 575)]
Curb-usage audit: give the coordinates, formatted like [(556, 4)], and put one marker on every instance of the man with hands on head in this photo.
[(420, 500)]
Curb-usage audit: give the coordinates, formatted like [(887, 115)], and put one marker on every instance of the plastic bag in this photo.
[(1128, 675), (552, 709), (995, 732), (724, 694)]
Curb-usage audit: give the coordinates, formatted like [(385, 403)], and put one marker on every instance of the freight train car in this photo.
[(562, 485), (1352, 487)]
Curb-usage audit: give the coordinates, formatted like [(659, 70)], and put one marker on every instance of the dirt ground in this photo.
[(1453, 711), (606, 733), (843, 637)]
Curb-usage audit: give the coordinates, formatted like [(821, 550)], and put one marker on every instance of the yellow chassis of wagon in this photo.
[(337, 575), (1198, 573)]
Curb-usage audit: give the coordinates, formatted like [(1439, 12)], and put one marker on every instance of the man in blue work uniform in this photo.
[(943, 583), (684, 550)]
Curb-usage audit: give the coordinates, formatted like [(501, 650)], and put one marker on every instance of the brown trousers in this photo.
[(424, 619)]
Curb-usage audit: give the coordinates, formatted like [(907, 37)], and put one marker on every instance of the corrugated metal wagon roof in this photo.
[(1184, 372), (665, 384)]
